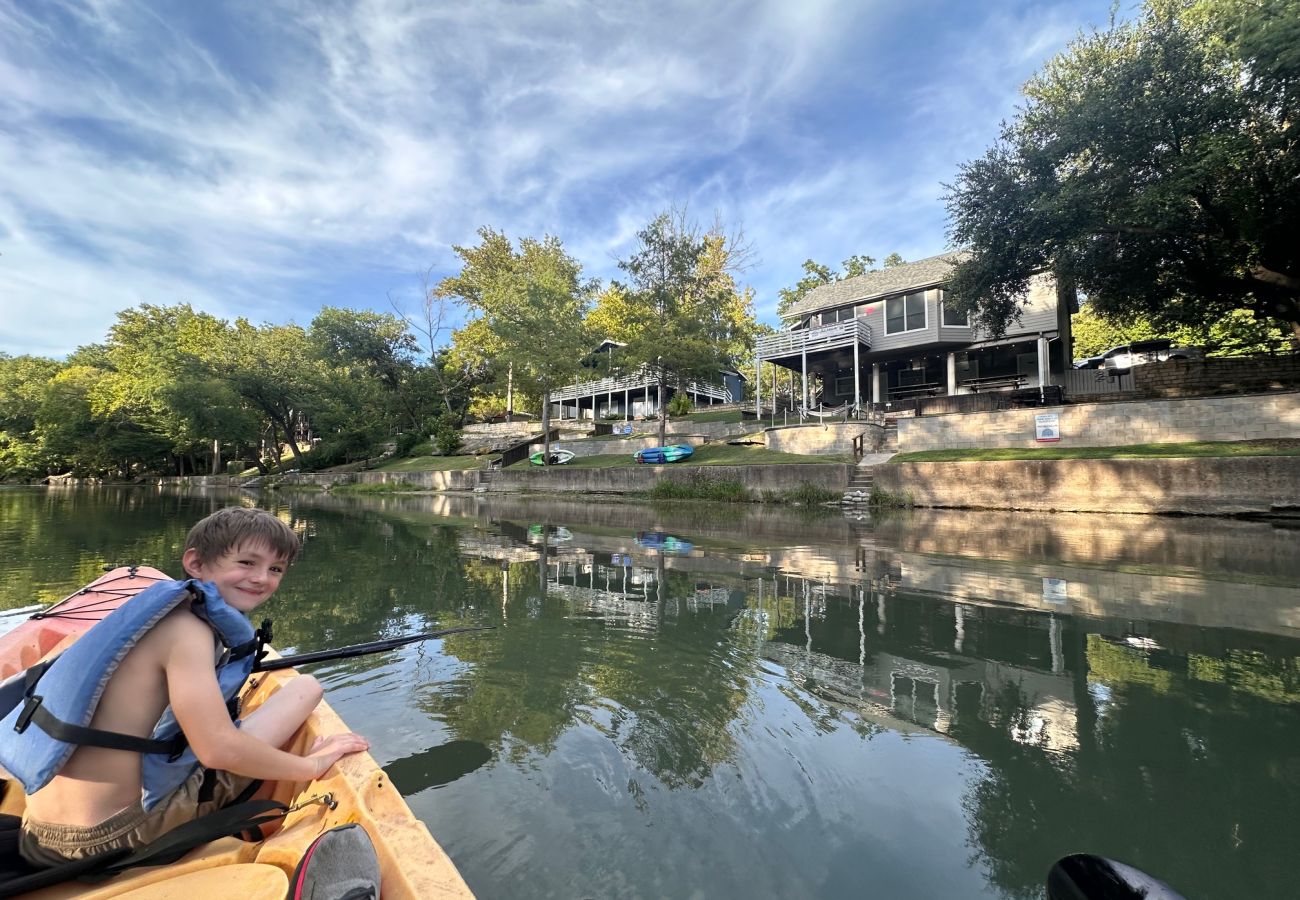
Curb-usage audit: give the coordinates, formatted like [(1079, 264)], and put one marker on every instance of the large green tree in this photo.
[(534, 302), (1155, 164), (685, 316)]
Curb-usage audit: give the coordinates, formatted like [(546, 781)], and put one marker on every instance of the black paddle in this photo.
[(289, 662), (1082, 876)]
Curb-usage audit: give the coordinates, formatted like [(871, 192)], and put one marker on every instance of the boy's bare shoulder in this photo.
[(179, 629)]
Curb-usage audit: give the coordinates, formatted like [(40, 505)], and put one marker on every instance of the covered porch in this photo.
[(850, 372)]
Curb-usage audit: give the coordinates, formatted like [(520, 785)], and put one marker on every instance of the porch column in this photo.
[(627, 407), (804, 384), (875, 383), (857, 386), (952, 374), (758, 387), (1044, 366)]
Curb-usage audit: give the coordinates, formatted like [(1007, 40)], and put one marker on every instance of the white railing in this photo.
[(637, 381), (788, 343)]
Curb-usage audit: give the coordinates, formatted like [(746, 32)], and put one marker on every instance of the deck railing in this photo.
[(637, 381), (790, 343)]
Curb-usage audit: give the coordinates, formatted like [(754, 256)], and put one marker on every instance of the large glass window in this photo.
[(831, 316), (905, 313), (953, 318)]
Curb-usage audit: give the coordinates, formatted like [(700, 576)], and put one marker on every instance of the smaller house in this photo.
[(635, 394)]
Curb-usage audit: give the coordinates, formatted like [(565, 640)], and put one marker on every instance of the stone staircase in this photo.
[(858, 493), (485, 474)]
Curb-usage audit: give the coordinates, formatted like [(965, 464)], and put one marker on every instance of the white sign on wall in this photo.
[(1047, 427)]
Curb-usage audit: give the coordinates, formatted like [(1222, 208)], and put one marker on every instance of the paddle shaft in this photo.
[(289, 662)]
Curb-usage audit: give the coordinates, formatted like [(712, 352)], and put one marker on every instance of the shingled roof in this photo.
[(923, 273)]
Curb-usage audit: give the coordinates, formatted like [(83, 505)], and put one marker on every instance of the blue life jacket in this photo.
[(59, 698)]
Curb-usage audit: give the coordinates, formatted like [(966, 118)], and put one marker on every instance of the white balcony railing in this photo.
[(637, 381), (793, 343)]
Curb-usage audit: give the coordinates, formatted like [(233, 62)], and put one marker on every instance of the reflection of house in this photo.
[(635, 393), (889, 336)]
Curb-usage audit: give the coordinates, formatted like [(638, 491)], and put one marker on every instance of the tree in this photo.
[(816, 275), (23, 382), (1155, 164), (372, 346), (683, 309), (1237, 333), (274, 370), (534, 302)]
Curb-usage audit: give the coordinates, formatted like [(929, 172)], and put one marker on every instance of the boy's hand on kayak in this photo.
[(328, 750)]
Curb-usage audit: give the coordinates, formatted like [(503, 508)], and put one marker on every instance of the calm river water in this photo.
[(686, 702)]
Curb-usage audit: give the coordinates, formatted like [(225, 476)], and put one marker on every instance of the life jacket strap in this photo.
[(34, 711)]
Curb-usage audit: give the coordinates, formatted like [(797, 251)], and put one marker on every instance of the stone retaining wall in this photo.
[(635, 479), (1112, 424), (1218, 486), (822, 439)]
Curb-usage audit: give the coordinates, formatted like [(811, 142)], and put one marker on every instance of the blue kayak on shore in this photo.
[(659, 455)]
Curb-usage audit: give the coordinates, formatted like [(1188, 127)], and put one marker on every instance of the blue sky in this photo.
[(265, 159)]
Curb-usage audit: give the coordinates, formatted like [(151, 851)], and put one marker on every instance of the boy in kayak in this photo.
[(94, 803)]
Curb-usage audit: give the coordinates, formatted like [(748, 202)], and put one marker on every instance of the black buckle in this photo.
[(30, 704)]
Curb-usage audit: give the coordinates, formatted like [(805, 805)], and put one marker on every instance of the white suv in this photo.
[(1119, 360)]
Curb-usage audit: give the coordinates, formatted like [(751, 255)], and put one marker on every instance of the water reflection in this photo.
[(938, 704)]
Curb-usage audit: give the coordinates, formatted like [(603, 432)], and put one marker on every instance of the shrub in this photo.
[(446, 439), (679, 405), (406, 444)]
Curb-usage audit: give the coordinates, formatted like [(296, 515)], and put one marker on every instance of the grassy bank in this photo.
[(432, 464), (1185, 450), (699, 485)]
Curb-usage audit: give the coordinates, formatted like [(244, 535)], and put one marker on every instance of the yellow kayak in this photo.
[(355, 790)]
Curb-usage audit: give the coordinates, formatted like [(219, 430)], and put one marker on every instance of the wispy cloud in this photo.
[(265, 159)]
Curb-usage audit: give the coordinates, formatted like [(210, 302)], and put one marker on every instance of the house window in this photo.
[(905, 313), (831, 316), (952, 317)]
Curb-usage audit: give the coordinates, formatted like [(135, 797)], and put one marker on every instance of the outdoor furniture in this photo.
[(929, 389), (994, 383)]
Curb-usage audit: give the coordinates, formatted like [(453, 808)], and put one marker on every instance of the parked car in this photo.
[(1121, 359), (1140, 353)]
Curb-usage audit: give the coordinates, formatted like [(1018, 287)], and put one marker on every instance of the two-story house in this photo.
[(888, 336)]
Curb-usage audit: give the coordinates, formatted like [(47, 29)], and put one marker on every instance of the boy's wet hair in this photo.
[(230, 528)]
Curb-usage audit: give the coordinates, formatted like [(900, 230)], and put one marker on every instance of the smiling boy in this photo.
[(94, 803)]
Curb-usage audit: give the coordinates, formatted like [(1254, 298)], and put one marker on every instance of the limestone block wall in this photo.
[(463, 480), (1204, 486), (1113, 424), (632, 479), (822, 439)]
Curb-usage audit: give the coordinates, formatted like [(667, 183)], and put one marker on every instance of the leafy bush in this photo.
[(679, 405), (446, 439)]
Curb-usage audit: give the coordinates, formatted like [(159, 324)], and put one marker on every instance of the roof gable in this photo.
[(923, 273)]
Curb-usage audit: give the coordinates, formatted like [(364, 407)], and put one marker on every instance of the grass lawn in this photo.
[(1134, 451), (432, 464), (710, 455)]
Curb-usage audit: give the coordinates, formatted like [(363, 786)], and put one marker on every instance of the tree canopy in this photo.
[(1155, 164), (815, 275), (681, 311)]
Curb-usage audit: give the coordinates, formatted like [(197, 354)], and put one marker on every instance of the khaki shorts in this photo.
[(206, 791)]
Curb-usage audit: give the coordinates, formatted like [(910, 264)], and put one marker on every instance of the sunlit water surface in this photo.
[(687, 702)]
